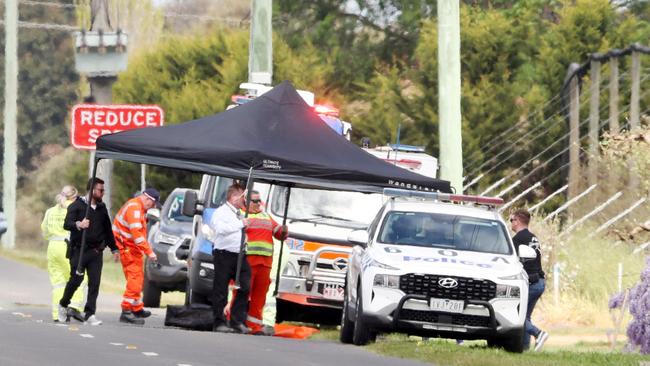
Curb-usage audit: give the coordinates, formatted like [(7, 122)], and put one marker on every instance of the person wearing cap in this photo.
[(95, 224), (130, 231), (58, 265)]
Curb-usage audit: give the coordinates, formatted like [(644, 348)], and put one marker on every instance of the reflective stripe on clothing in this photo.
[(259, 233), (260, 248), (254, 320)]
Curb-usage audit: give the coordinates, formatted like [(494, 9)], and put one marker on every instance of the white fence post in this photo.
[(620, 277), (569, 203), (593, 212), (556, 283), (519, 196), (540, 204), (510, 188), (492, 187)]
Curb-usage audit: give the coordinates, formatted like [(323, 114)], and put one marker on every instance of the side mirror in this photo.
[(359, 237), (526, 252), (190, 201), (153, 215)]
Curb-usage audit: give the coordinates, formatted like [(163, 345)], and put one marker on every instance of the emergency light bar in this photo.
[(448, 197), (326, 110)]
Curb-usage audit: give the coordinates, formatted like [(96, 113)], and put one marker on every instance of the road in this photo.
[(29, 337)]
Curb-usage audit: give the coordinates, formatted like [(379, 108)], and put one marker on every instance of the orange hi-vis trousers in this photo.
[(133, 266), (260, 283)]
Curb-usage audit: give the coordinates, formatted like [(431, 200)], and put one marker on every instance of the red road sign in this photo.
[(89, 121)]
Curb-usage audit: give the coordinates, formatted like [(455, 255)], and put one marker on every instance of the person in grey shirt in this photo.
[(225, 232)]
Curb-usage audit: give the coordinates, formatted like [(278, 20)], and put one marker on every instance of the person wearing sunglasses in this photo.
[(99, 234), (519, 221), (260, 232)]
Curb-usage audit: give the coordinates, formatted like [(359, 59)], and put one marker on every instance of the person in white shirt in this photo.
[(226, 230)]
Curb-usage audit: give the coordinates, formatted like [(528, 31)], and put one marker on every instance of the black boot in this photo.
[(76, 315), (142, 314), (128, 317)]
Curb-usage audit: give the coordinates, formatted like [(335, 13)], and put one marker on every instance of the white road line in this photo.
[(18, 314), (150, 354), (61, 325), (116, 344), (1, 308), (183, 364), (86, 335)]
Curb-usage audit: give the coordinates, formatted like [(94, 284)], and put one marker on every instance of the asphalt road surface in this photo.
[(28, 336)]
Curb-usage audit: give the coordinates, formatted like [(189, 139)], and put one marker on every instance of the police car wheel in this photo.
[(347, 326), (361, 332)]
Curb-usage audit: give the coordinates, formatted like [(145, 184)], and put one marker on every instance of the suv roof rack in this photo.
[(446, 197)]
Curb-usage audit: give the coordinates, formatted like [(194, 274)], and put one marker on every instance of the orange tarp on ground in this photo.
[(294, 331)]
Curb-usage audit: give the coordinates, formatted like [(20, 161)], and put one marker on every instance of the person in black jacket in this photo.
[(519, 221), (99, 234)]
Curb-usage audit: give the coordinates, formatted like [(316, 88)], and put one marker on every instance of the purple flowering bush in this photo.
[(616, 301), (638, 331)]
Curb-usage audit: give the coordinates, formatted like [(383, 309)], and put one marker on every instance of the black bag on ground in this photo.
[(193, 317)]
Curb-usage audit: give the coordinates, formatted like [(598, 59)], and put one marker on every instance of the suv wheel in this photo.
[(347, 326), (515, 342), (361, 334)]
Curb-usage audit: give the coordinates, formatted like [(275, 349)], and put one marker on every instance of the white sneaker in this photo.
[(92, 320), (62, 315), (540, 340)]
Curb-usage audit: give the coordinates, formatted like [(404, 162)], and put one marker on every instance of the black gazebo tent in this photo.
[(277, 135)]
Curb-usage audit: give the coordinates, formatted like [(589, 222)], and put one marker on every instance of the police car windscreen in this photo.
[(445, 231)]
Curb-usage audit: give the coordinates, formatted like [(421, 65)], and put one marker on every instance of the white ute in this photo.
[(434, 264)]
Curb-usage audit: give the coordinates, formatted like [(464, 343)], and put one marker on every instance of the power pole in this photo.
[(260, 48), (101, 55), (594, 122), (451, 150), (9, 167)]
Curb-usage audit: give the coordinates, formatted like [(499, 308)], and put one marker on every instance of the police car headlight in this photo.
[(163, 238), (518, 276), (508, 292), (389, 281)]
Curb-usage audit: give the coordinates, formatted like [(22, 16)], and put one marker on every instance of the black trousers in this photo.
[(225, 269), (92, 262)]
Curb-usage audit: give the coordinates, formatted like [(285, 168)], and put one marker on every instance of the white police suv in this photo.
[(434, 264)]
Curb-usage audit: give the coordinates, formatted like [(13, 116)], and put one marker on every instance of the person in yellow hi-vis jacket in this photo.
[(58, 264)]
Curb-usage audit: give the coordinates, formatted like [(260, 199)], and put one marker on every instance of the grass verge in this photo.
[(447, 353)]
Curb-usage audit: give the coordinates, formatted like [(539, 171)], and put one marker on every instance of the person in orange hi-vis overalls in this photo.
[(130, 231), (259, 234)]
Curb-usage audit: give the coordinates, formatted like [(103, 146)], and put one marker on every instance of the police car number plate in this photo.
[(449, 306), (333, 292)]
